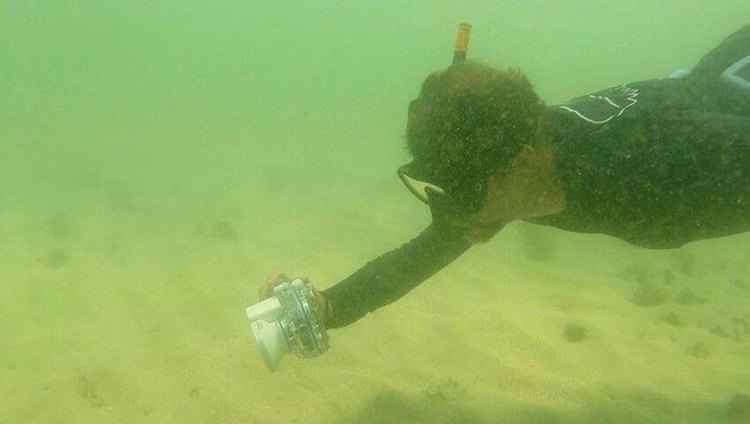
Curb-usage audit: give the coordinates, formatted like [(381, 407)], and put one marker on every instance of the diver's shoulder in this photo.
[(621, 103)]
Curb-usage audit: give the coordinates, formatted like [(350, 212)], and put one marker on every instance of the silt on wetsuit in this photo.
[(657, 163)]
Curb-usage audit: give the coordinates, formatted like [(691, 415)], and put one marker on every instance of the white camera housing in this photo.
[(288, 322)]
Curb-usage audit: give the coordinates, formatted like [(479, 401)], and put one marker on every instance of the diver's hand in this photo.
[(266, 289), (323, 307)]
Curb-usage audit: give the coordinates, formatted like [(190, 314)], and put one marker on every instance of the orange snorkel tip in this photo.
[(462, 43)]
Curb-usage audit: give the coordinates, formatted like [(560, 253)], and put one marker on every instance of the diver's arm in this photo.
[(392, 275)]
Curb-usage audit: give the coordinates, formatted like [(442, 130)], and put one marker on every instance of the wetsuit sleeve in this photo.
[(392, 275)]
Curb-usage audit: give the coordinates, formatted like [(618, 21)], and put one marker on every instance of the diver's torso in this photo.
[(646, 163)]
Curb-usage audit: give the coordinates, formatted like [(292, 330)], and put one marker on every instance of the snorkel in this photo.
[(462, 43)]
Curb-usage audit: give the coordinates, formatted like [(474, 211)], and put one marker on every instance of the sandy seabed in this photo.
[(111, 318)]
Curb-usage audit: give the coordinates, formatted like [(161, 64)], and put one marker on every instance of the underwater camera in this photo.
[(287, 322)]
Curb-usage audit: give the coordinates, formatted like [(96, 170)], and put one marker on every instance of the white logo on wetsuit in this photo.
[(604, 106)]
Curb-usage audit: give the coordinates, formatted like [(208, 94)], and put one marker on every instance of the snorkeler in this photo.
[(657, 163)]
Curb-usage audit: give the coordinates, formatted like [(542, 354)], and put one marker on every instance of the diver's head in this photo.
[(468, 124)]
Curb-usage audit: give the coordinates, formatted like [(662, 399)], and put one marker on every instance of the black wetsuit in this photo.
[(658, 174), (657, 163)]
